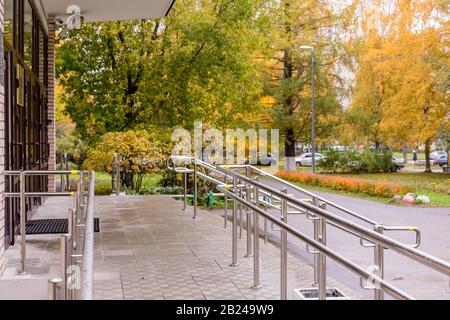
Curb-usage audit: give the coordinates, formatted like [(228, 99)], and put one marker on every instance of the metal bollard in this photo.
[(379, 264), (234, 253), (54, 289), (283, 246), (256, 282)]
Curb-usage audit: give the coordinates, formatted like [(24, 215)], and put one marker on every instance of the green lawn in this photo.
[(103, 182)]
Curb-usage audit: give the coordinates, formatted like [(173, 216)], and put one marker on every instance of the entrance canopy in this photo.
[(109, 10)]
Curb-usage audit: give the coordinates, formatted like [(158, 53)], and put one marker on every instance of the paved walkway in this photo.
[(149, 248), (412, 277)]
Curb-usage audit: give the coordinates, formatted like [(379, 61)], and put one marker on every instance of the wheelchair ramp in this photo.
[(149, 248)]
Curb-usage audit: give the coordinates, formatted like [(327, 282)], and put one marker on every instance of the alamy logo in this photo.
[(238, 146)]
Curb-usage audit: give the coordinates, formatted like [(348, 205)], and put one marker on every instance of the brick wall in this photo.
[(2, 157), (51, 100)]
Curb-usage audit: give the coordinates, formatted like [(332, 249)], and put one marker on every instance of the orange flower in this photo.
[(372, 188)]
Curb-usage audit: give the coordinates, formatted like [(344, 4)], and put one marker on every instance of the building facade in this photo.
[(27, 95)]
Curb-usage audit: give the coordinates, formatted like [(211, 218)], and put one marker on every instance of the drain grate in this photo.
[(53, 226)]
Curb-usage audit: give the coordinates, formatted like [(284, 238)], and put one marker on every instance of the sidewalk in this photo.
[(149, 248)]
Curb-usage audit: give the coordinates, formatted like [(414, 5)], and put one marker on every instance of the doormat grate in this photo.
[(53, 226)]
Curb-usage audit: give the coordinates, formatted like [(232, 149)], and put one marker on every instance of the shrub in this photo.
[(103, 189), (329, 162), (351, 161), (145, 191), (373, 188), (139, 156)]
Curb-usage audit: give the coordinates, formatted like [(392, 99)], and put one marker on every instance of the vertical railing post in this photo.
[(23, 222), (226, 205), (283, 273), (234, 255), (316, 224), (117, 176), (241, 195), (379, 264), (256, 282), (195, 188), (54, 289), (185, 178), (248, 216), (64, 265), (322, 265)]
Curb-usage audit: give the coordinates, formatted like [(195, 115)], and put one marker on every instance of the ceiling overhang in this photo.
[(108, 10)]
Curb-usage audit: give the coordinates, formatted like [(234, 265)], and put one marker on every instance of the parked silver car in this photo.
[(305, 160)]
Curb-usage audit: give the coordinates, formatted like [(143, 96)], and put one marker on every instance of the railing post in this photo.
[(256, 282), (283, 272), (54, 289), (195, 189), (241, 224), (379, 264), (316, 224), (248, 214), (225, 206), (23, 222), (87, 279), (64, 265), (185, 191), (234, 248), (117, 176), (322, 275)]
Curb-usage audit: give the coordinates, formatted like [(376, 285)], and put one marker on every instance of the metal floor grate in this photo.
[(53, 226)]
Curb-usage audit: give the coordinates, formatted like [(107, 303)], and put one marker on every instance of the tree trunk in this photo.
[(289, 147), (405, 154), (128, 180), (427, 156)]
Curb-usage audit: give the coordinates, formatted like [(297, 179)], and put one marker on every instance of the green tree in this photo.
[(317, 24), (199, 63)]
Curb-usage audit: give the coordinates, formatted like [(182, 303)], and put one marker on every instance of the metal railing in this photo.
[(258, 197), (77, 246)]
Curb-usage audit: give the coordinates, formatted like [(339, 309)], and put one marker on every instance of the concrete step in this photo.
[(22, 287)]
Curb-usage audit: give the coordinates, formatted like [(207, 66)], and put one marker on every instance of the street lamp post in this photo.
[(313, 106)]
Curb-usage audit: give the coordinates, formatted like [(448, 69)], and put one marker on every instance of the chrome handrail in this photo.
[(317, 211), (77, 246)]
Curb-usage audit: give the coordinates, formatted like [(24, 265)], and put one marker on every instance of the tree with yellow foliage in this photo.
[(401, 95)]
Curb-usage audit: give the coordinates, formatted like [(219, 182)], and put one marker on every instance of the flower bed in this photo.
[(372, 188)]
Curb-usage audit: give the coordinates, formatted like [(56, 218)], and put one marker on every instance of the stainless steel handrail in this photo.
[(319, 214), (87, 284), (421, 257), (77, 247)]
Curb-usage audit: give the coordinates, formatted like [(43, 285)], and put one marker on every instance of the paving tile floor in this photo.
[(149, 248)]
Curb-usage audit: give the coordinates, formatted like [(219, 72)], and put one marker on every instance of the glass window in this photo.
[(28, 35), (9, 22)]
